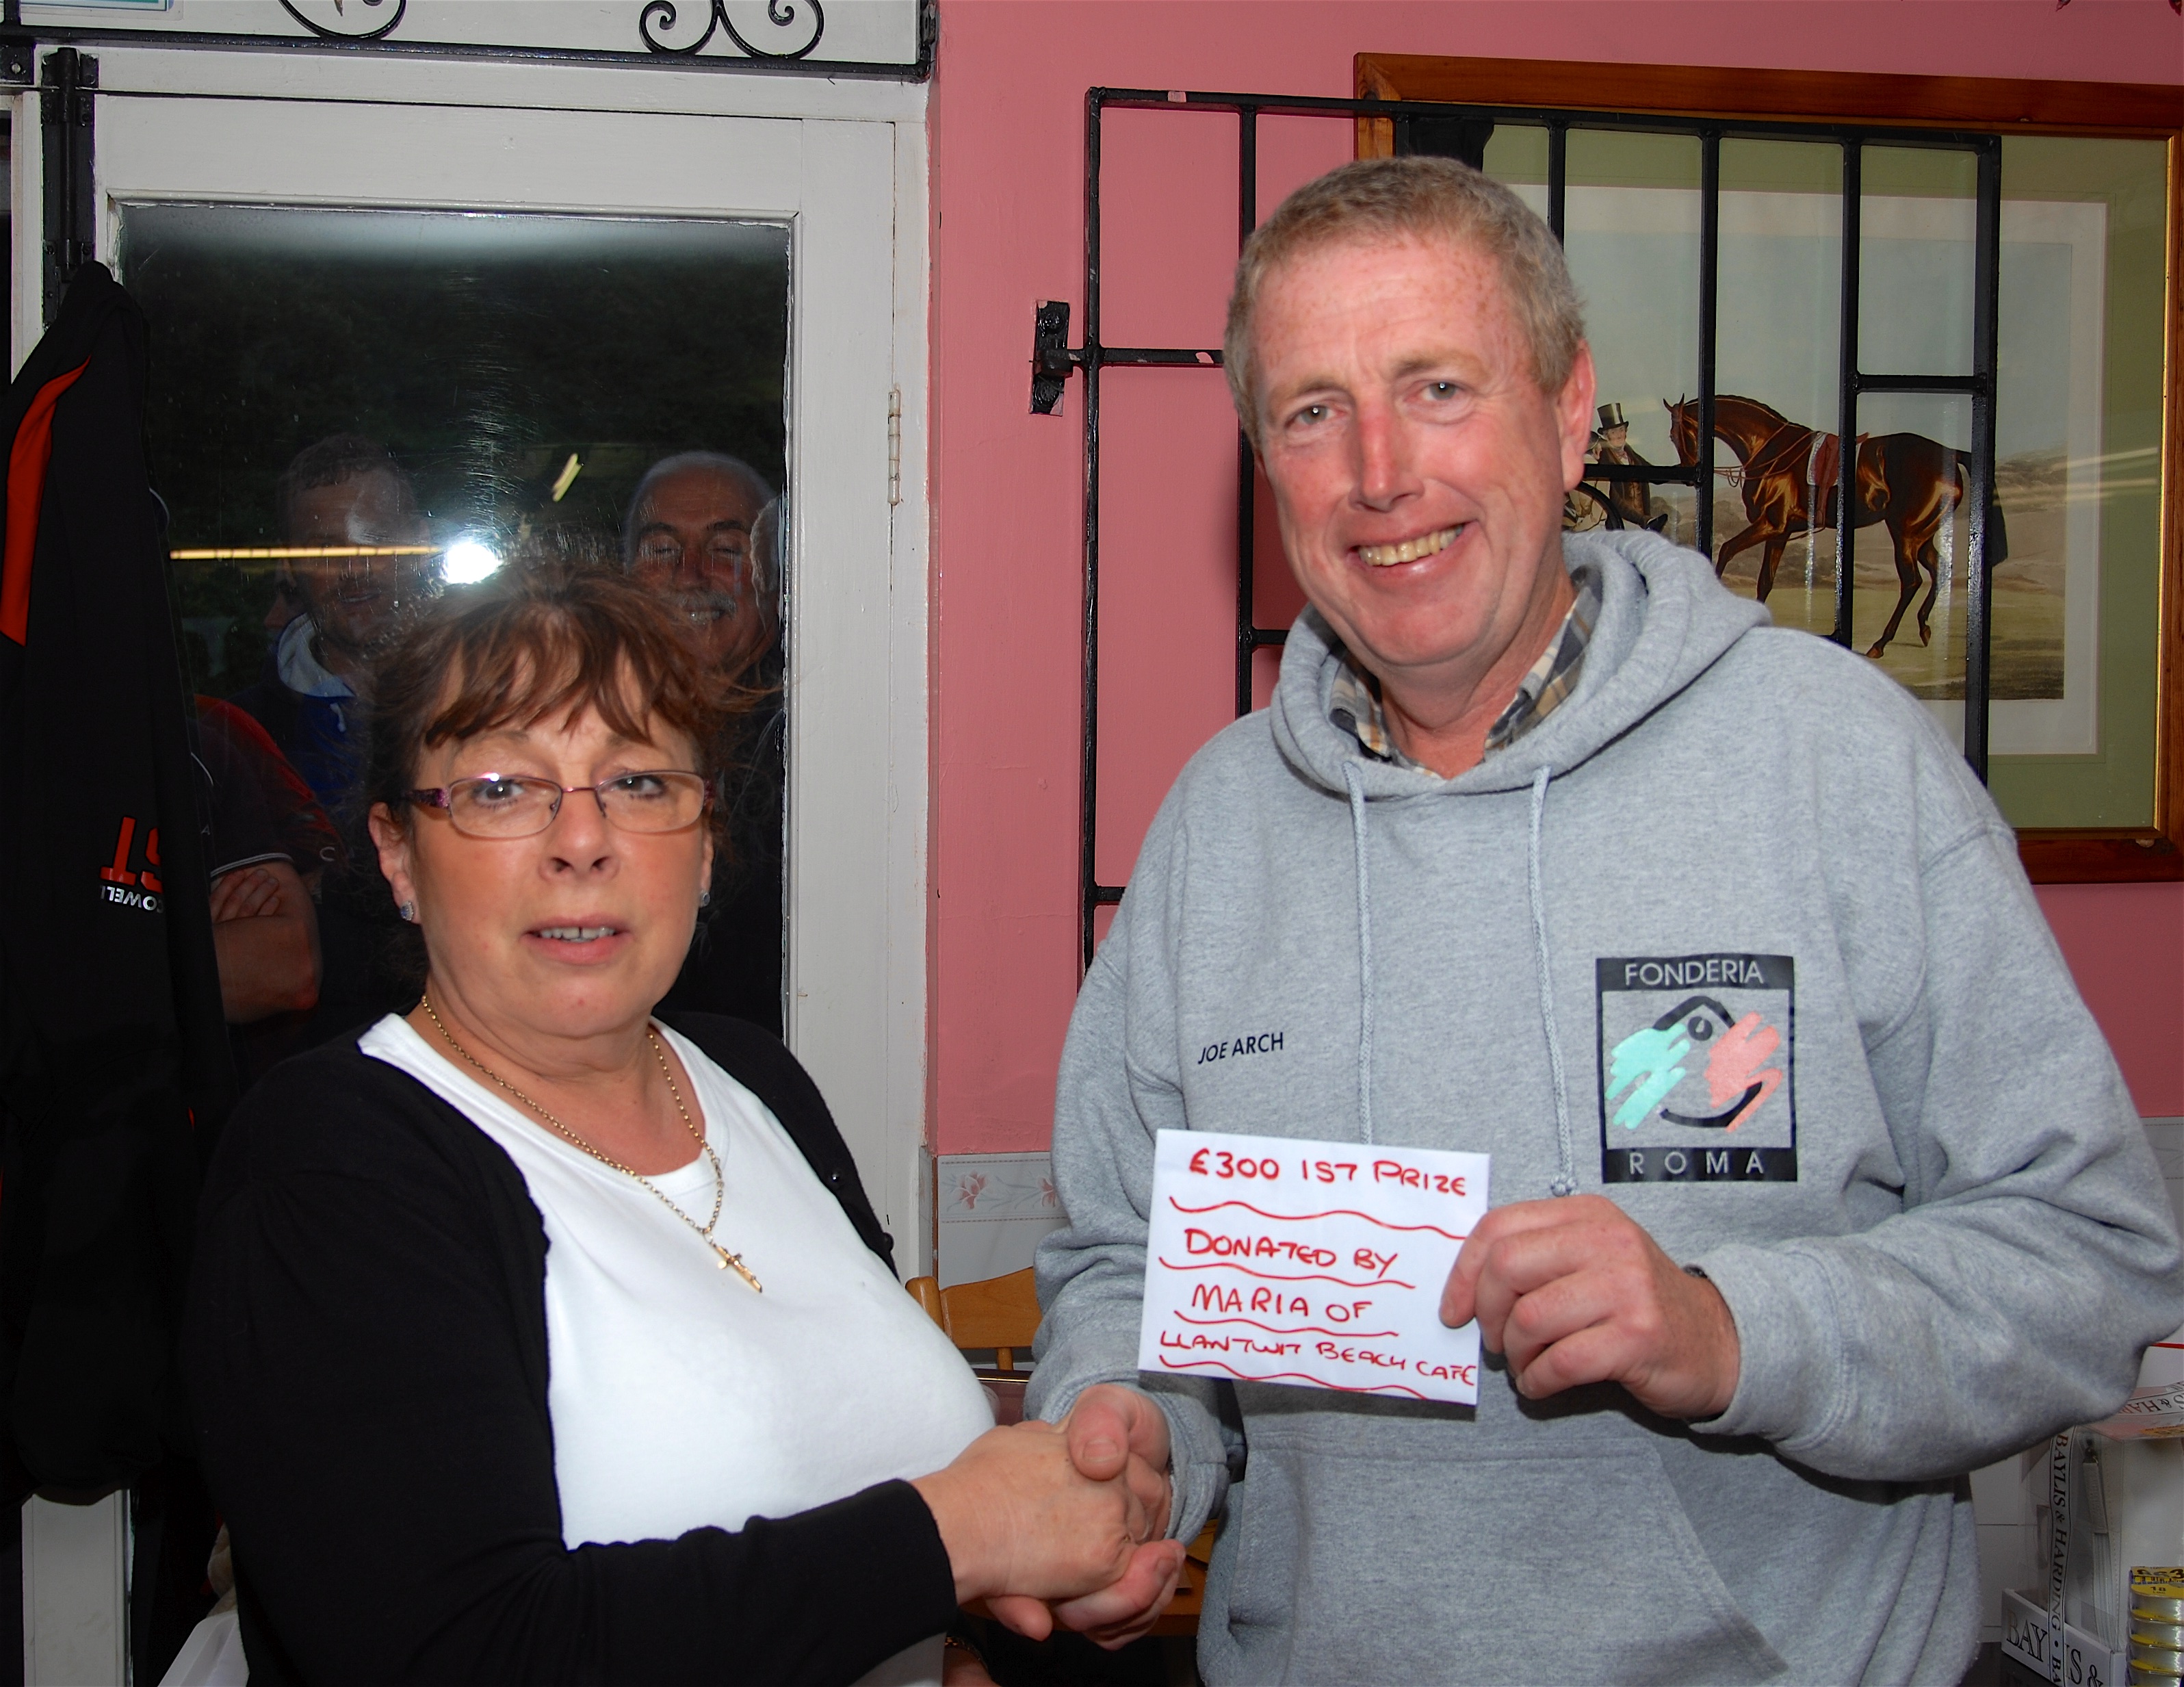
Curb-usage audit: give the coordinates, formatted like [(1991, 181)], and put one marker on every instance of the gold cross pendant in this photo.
[(741, 1270)]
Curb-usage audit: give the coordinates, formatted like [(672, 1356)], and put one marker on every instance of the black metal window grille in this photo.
[(1462, 131), (786, 43)]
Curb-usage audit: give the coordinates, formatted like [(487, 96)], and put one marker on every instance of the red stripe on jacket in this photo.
[(26, 490)]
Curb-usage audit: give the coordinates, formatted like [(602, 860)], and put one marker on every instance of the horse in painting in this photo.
[(1905, 480)]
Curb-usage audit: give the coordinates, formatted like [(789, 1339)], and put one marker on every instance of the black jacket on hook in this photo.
[(115, 1071)]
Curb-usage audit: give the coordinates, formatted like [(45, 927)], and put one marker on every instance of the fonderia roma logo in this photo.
[(1697, 1069)]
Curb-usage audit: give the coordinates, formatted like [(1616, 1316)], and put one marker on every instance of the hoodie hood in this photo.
[(300, 669), (1664, 619)]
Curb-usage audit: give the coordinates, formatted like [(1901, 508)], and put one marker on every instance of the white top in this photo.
[(679, 1397)]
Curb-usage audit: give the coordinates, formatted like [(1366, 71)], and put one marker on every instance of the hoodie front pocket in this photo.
[(1565, 1567)]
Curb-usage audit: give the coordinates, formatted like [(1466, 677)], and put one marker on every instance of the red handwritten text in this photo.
[(1197, 1241), (1437, 1182), (1212, 1296), (1197, 1341)]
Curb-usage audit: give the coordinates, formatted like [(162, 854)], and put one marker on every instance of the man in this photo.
[(1816, 1186), (689, 537), (265, 834), (703, 532), (1585, 506), (266, 841), (343, 493), (1632, 501)]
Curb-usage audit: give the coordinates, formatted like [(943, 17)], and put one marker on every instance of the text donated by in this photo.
[(1317, 1265)]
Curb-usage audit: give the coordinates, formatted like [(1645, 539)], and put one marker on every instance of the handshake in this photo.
[(1064, 1522), (1067, 1522)]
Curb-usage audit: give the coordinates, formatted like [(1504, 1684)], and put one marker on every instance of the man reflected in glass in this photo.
[(349, 515), (688, 539), (345, 498), (703, 534)]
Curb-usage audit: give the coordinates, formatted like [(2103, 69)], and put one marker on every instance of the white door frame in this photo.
[(845, 163)]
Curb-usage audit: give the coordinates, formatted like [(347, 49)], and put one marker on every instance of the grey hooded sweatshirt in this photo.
[(1733, 937)]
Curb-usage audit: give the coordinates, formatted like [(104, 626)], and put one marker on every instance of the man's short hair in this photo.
[(337, 458), (1418, 199), (716, 462)]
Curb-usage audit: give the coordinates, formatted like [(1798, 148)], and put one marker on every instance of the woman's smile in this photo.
[(589, 941)]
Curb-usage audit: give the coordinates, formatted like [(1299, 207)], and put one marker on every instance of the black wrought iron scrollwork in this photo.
[(661, 14), (341, 11)]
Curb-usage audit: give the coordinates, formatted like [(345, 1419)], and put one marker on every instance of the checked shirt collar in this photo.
[(1355, 704)]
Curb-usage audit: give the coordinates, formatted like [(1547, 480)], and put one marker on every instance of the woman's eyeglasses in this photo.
[(498, 806)]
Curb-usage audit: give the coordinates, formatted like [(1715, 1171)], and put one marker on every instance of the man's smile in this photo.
[(703, 609), (1409, 549)]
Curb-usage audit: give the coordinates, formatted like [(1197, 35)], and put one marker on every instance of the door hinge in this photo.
[(1051, 357), (894, 446), (18, 49), (67, 108)]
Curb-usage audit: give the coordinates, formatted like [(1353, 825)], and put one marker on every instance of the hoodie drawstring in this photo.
[(1357, 785), (1565, 1182)]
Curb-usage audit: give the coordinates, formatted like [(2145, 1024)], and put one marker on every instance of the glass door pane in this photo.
[(1632, 210), (353, 410), (1917, 267), (1515, 156), (1779, 314), (1910, 590)]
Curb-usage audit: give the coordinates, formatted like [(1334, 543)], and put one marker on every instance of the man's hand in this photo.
[(1118, 1430), (245, 894), (1113, 1616), (1112, 1431), (1574, 1291), (265, 938)]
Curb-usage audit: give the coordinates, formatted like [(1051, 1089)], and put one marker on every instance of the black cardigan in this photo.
[(366, 1352)]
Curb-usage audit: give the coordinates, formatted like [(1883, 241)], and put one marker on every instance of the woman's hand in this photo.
[(1017, 1517), (1114, 1431)]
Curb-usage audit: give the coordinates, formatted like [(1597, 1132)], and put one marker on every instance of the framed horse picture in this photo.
[(1901, 355)]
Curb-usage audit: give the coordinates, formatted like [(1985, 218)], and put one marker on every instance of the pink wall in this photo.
[(1007, 128), (2125, 947)]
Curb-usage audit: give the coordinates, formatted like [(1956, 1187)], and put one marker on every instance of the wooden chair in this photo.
[(1002, 1313)]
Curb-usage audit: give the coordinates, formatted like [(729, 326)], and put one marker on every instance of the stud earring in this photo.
[(704, 898), (408, 912)]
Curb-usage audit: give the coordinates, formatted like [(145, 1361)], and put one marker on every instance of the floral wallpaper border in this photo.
[(976, 1188)]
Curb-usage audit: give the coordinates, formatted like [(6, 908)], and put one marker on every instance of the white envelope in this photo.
[(1314, 1264)]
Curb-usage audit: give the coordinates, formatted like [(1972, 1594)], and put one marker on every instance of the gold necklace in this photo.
[(724, 1260)]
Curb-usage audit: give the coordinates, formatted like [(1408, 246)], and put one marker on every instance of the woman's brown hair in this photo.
[(530, 643)]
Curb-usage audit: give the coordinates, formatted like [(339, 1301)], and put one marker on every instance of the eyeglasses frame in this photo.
[(441, 799)]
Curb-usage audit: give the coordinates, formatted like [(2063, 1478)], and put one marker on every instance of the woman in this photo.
[(532, 1340)]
